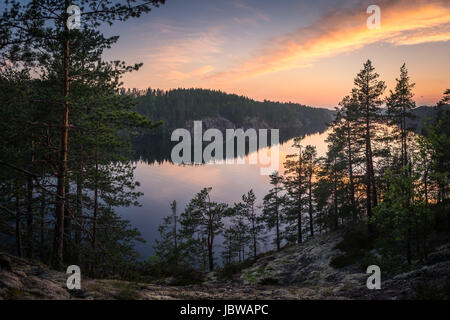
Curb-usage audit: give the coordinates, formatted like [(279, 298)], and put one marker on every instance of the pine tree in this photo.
[(295, 184), (310, 161), (344, 137), (203, 220), (254, 220), (272, 207), (230, 247), (367, 94), (247, 222), (437, 134), (331, 191), (37, 37), (400, 105), (167, 247)]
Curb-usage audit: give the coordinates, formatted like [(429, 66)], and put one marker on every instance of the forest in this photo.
[(66, 130), (179, 106), (65, 133), (379, 179)]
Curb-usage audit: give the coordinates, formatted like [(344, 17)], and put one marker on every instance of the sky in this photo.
[(287, 50)]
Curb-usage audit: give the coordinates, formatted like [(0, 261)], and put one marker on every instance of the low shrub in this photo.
[(229, 270)]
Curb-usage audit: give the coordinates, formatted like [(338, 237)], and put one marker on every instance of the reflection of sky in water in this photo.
[(163, 183)]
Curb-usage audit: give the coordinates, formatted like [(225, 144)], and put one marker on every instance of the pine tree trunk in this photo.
[(95, 215), (404, 142), (42, 226), (371, 193), (68, 254), (408, 245), (240, 251), (79, 214), (311, 222), (30, 218), (299, 214), (58, 245), (210, 257), (205, 263), (335, 202), (175, 237), (254, 234), (18, 225), (425, 178), (372, 176), (350, 170), (277, 219)]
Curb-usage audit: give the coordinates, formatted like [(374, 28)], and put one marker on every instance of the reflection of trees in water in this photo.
[(156, 149)]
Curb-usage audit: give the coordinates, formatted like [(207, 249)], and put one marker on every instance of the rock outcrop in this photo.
[(296, 272), (308, 268)]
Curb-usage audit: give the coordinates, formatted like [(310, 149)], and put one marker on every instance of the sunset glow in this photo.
[(289, 51)]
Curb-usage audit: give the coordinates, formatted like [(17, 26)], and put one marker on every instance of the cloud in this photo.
[(187, 55), (339, 31), (253, 11), (201, 72)]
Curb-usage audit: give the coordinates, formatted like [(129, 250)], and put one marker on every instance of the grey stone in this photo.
[(5, 262)]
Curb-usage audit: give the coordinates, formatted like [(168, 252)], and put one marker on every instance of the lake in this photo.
[(162, 182)]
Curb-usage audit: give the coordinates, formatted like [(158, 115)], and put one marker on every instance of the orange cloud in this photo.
[(402, 23), (185, 58)]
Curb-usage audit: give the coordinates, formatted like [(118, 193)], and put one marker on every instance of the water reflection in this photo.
[(157, 149), (161, 182)]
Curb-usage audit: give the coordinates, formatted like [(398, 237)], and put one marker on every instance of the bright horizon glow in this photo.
[(289, 51)]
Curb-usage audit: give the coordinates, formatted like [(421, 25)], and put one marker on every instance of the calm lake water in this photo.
[(162, 182)]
